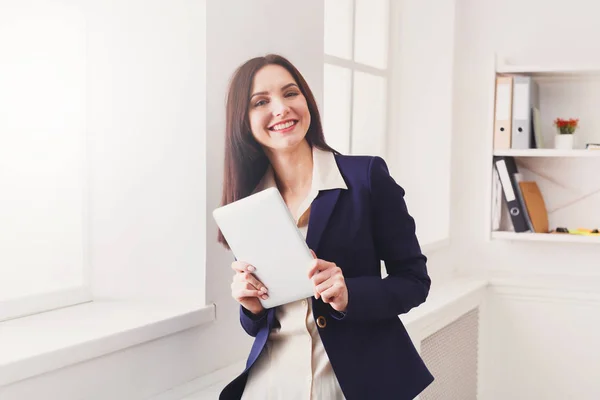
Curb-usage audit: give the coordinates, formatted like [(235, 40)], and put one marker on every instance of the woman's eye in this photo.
[(260, 103), (292, 94)]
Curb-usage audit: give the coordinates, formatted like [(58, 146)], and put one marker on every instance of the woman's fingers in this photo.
[(244, 274), (324, 286), (246, 289), (246, 293), (318, 265), (241, 266), (251, 279), (247, 282), (331, 293), (324, 275), (241, 290)]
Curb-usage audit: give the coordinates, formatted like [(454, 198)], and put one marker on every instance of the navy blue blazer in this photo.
[(368, 347)]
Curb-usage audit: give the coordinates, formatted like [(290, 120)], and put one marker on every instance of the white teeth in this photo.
[(279, 127)]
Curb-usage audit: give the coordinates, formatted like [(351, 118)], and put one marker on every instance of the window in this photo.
[(356, 75), (42, 160), (388, 92)]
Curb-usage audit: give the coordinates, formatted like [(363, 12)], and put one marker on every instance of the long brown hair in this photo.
[(245, 160)]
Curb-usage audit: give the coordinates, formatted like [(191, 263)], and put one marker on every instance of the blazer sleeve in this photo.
[(372, 298), (252, 323)]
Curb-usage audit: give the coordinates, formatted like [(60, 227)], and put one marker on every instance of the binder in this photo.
[(496, 200), (517, 179), (538, 140), (525, 100), (507, 168), (503, 112)]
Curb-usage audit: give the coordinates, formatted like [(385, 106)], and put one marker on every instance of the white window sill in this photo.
[(44, 342)]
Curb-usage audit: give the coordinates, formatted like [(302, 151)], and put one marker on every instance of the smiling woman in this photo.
[(263, 90), (278, 112), (352, 215)]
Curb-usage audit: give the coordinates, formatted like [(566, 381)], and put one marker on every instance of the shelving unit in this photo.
[(568, 179), (547, 153), (557, 70)]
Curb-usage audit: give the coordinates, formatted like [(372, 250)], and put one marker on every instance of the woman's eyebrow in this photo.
[(288, 85), (282, 89)]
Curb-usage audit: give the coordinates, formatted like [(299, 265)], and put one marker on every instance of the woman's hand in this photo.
[(246, 289), (329, 283)]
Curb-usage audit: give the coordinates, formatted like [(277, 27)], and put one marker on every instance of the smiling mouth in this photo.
[(283, 126)]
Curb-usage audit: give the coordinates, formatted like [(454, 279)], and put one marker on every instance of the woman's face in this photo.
[(278, 113)]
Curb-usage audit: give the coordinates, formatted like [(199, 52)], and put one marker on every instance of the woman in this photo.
[(347, 341)]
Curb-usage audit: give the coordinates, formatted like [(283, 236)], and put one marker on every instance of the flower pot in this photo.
[(563, 142)]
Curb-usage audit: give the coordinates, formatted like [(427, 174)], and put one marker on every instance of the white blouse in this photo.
[(294, 364)]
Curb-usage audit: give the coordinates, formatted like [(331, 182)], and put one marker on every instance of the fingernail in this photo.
[(251, 268), (264, 296)]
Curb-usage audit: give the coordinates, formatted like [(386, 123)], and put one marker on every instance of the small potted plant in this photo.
[(564, 138)]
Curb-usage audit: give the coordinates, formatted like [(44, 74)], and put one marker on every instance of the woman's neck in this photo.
[(293, 169)]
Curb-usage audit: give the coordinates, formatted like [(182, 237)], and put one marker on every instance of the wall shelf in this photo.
[(567, 179), (547, 153), (550, 70), (545, 237)]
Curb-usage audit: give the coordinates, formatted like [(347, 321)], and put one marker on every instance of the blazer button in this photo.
[(321, 321)]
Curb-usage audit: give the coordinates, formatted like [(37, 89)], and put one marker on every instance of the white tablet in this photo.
[(261, 231)]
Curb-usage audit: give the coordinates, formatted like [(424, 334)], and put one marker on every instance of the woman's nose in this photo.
[(279, 108)]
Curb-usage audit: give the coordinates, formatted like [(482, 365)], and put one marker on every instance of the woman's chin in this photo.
[(286, 144)]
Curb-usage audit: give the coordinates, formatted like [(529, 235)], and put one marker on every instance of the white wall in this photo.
[(42, 160), (542, 345), (145, 76), (419, 142), (421, 114), (146, 127), (531, 334)]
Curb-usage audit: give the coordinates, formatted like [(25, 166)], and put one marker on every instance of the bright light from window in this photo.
[(338, 28), (337, 97), (371, 41), (368, 133)]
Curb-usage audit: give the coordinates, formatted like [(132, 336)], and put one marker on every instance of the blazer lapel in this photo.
[(320, 211)]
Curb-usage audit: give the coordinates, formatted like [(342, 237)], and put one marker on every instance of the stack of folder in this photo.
[(517, 113), (524, 199)]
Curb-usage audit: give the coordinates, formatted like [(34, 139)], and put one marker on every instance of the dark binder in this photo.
[(507, 168)]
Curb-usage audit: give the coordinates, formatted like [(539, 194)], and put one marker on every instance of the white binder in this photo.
[(525, 99), (503, 112)]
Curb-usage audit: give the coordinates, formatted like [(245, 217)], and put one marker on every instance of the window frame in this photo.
[(354, 66), (65, 297), (51, 297)]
